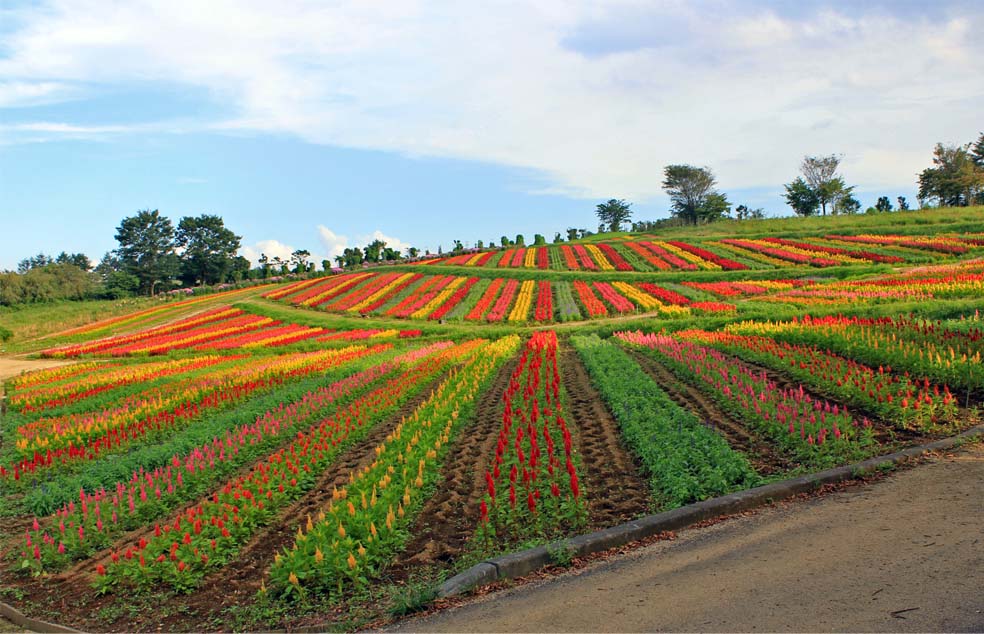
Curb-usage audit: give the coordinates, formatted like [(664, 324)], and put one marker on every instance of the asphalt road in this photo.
[(903, 554)]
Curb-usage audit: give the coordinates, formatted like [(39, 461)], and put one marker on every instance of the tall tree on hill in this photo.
[(977, 152), (208, 249), (146, 248), (801, 197), (694, 199), (613, 213), (820, 173), (299, 259), (955, 180)]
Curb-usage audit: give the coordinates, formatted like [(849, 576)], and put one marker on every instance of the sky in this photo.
[(321, 125)]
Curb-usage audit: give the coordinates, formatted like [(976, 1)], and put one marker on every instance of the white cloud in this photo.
[(335, 244), (743, 90), (272, 249)]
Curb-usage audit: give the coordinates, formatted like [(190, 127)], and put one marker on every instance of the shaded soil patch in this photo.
[(449, 519), (763, 455), (616, 492)]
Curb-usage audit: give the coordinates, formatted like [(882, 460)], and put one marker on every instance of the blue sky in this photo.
[(317, 127)]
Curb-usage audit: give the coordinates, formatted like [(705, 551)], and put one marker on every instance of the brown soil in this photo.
[(901, 553), (765, 457), (616, 490), (448, 519)]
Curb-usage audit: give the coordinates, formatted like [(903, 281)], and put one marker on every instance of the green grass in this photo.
[(31, 321)]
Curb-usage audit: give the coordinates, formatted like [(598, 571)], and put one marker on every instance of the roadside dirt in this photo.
[(609, 466), (904, 553), (766, 459)]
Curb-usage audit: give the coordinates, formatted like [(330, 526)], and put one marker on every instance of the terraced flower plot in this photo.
[(360, 434)]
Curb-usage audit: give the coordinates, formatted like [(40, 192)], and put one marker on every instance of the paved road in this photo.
[(904, 554)]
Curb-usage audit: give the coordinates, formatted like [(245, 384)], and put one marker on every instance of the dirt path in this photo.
[(12, 366), (609, 466), (448, 519), (902, 554)]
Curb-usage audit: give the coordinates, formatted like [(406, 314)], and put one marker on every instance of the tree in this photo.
[(903, 205), (613, 213), (504, 241), (207, 249), (146, 248), (571, 234), (558, 238), (520, 240), (538, 240), (820, 173), (743, 212), (956, 180), (238, 269), (299, 259), (75, 259), (883, 204), (691, 189), (374, 250), (412, 252), (977, 152), (801, 197), (847, 204)]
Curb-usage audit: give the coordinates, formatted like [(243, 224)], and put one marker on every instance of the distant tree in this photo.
[(847, 204), (34, 262), (458, 246), (374, 250), (558, 238), (340, 260), (325, 265), (903, 204), (613, 213), (571, 234), (692, 194), (520, 240), (801, 197), (977, 152), (146, 249), (79, 260), (207, 249), (504, 241), (413, 252), (820, 173), (538, 240), (479, 245), (955, 180), (883, 204), (238, 269), (743, 212), (391, 255), (5, 334), (299, 260)]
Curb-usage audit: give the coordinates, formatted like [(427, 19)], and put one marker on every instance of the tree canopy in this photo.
[(207, 249), (692, 194), (957, 176), (146, 248), (613, 213)]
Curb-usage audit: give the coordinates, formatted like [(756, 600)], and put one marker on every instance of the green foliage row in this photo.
[(686, 461)]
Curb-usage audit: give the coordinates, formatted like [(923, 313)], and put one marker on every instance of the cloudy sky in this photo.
[(319, 125)]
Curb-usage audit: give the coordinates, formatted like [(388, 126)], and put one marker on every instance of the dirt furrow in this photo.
[(448, 519), (766, 458), (242, 577), (616, 492)]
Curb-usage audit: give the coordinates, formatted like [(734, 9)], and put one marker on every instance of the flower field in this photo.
[(327, 446)]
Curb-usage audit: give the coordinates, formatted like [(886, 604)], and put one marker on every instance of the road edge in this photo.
[(524, 562)]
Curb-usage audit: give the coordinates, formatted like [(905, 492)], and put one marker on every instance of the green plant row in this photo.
[(686, 461)]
